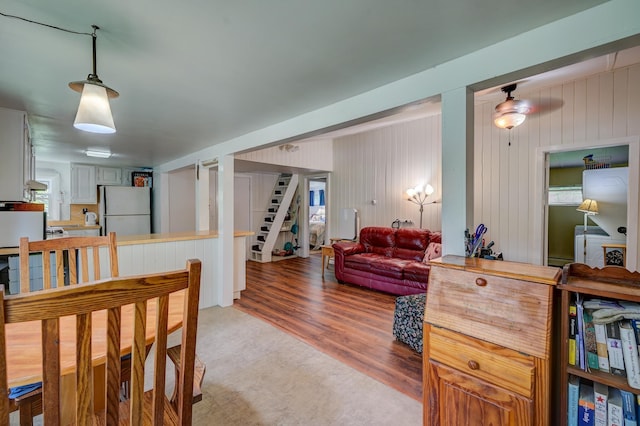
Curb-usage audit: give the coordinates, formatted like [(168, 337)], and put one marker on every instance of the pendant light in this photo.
[(94, 112), (510, 113)]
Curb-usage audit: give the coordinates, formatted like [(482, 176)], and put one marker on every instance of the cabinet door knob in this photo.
[(473, 365), (481, 282)]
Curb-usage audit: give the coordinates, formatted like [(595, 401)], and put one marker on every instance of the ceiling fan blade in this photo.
[(545, 106)]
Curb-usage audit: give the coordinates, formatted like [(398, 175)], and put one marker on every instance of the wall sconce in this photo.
[(419, 195), (94, 112), (289, 147), (589, 208)]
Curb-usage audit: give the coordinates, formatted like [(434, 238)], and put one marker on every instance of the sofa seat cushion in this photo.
[(390, 267), (362, 261), (417, 271)]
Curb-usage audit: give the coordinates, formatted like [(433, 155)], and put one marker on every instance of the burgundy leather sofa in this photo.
[(386, 259)]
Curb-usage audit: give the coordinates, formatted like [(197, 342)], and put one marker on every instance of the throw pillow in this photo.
[(433, 251)]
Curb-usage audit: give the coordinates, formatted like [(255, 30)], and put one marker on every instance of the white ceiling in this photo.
[(196, 73)]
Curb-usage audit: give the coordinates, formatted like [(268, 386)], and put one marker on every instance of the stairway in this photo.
[(280, 215)]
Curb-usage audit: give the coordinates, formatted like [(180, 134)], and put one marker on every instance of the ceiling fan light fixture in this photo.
[(510, 113), (94, 112)]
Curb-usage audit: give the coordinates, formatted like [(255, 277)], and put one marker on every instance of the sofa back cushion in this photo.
[(378, 240), (435, 237), (411, 243)]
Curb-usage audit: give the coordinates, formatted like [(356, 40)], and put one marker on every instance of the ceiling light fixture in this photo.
[(289, 147), (510, 113), (94, 112), (98, 154)]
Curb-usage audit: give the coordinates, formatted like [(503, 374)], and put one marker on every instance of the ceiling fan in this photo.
[(511, 113)]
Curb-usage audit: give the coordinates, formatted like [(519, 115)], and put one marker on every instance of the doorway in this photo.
[(547, 195)]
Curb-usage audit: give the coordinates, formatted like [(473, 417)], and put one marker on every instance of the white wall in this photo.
[(380, 165), (308, 155), (599, 107), (182, 208)]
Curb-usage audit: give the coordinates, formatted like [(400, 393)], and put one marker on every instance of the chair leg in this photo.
[(199, 369)]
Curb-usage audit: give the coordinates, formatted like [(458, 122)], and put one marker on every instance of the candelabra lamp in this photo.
[(419, 195), (589, 208)]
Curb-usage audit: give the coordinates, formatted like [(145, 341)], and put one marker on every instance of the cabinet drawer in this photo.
[(494, 364), (508, 312)]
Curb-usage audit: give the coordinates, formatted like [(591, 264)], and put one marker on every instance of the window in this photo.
[(565, 195)]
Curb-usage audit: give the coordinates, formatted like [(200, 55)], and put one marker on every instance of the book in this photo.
[(614, 348), (600, 396), (629, 408), (615, 416), (590, 346), (580, 333), (630, 353), (572, 400), (586, 406), (573, 329), (601, 347)]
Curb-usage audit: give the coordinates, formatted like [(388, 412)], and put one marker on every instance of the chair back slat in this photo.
[(48, 306), (51, 370), (4, 390), (113, 366), (73, 265), (162, 319), (138, 354), (84, 370)]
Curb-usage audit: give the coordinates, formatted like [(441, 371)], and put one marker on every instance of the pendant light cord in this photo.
[(6, 15)]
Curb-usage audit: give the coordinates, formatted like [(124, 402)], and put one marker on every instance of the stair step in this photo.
[(256, 247), (264, 228), (261, 238), (268, 219), (272, 210)]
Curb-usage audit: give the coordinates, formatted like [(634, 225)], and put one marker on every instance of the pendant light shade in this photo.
[(94, 111), (510, 113)]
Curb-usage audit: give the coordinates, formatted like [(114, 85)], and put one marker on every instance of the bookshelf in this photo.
[(612, 283)]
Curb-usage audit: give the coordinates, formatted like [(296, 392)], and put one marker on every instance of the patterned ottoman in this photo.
[(407, 321)]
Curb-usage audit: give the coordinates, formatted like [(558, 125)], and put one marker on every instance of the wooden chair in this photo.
[(151, 407), (80, 254), (71, 260)]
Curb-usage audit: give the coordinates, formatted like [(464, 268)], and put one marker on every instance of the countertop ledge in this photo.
[(129, 240)]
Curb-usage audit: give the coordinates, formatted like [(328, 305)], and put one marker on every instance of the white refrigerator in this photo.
[(125, 210)]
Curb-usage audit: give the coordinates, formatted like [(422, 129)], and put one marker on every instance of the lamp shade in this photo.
[(509, 120), (94, 112), (589, 207)]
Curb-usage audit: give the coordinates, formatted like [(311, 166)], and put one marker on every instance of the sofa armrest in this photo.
[(347, 248), (341, 250)]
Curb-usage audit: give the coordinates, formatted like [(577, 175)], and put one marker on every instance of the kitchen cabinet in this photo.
[(108, 175), (16, 159), (487, 342), (83, 184)]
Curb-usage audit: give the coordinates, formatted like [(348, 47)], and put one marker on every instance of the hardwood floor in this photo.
[(350, 323)]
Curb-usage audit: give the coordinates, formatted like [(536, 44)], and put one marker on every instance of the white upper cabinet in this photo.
[(108, 175), (83, 184), (15, 155)]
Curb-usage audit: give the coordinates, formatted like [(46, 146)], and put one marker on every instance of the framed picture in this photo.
[(142, 179), (615, 254)]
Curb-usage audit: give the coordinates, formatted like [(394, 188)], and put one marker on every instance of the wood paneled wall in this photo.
[(380, 165), (600, 107), (314, 155)]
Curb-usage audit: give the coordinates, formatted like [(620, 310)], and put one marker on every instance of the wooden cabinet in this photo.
[(15, 155), (108, 175), (609, 283), (83, 184), (487, 342)]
